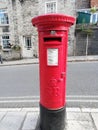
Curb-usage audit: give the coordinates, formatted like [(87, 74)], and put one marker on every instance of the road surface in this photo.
[(19, 85)]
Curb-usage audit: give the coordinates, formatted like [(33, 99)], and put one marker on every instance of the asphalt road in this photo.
[(19, 85), (82, 84)]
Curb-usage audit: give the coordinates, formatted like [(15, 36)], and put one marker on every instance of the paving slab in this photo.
[(73, 109), (78, 116), (36, 60), (95, 119), (79, 125), (10, 109), (33, 109), (2, 114), (12, 121), (30, 121), (27, 119), (86, 109)]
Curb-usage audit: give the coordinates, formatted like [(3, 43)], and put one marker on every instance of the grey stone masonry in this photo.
[(11, 21), (82, 4), (20, 14), (12, 12), (81, 42)]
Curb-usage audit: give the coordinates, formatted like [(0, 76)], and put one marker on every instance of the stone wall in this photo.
[(20, 16), (81, 41), (82, 4), (11, 55), (3, 5), (93, 43), (25, 12)]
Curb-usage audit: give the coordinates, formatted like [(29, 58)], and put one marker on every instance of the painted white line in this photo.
[(37, 97), (82, 61), (82, 96), (22, 97), (19, 101), (36, 101), (85, 101)]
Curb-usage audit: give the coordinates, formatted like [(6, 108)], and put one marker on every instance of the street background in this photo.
[(19, 84), (19, 95)]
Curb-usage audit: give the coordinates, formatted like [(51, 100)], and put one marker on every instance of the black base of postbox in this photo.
[(52, 119)]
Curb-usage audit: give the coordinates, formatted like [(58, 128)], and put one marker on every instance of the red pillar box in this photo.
[(53, 38)]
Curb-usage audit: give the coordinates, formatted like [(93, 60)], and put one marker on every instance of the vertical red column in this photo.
[(53, 38)]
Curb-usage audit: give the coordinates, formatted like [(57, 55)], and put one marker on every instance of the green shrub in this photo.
[(16, 47)]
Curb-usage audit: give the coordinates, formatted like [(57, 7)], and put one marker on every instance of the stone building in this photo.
[(20, 30), (16, 27)]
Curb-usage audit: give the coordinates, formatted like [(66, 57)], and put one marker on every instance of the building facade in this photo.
[(21, 30), (19, 27), (16, 27)]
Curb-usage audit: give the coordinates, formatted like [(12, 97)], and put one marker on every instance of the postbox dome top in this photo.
[(53, 20)]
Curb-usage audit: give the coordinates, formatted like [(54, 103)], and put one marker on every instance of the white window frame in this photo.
[(7, 42), (96, 20), (25, 42), (4, 20), (50, 2)]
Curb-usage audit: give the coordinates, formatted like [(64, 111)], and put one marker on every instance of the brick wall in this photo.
[(94, 3)]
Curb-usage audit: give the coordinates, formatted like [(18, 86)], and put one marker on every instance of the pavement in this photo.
[(36, 61), (27, 118)]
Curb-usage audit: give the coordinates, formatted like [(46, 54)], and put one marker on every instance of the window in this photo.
[(5, 29), (28, 42), (6, 42), (94, 18), (51, 7), (4, 17), (2, 10)]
